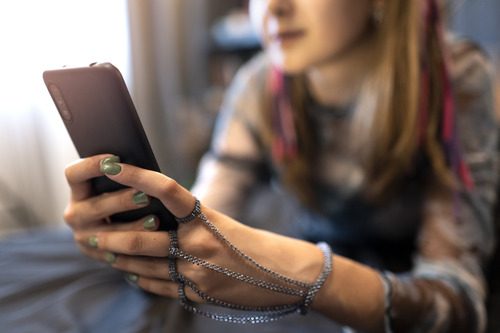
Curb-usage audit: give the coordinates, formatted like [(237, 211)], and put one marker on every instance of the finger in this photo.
[(165, 288), (154, 268), (159, 287), (91, 252), (148, 223), (103, 256), (80, 172), (90, 212), (140, 243), (175, 197)]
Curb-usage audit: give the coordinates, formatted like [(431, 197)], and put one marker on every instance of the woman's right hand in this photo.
[(128, 247), (144, 254)]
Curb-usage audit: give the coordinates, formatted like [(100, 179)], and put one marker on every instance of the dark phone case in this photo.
[(100, 117)]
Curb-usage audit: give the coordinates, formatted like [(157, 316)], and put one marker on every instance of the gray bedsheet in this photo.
[(46, 285)]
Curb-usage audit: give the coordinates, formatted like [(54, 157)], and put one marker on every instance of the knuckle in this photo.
[(152, 267), (70, 216), (169, 187), (170, 290), (135, 244), (200, 276), (68, 172), (71, 170), (202, 243), (124, 200)]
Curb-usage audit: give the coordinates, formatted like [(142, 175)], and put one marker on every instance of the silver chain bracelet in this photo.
[(251, 315)]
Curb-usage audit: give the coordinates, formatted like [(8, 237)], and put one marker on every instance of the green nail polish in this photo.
[(110, 168), (93, 241), (140, 199), (150, 223), (132, 277), (109, 165), (110, 257), (111, 159)]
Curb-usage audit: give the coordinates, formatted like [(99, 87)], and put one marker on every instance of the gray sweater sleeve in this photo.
[(236, 160), (446, 290)]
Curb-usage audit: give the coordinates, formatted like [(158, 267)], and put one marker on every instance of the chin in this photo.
[(293, 69), (289, 65)]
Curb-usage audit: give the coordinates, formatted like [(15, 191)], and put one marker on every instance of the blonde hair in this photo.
[(398, 114)]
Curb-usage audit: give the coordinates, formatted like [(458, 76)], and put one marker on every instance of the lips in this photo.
[(288, 36)]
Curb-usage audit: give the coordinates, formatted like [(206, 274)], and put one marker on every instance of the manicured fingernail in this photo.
[(109, 165), (150, 223), (110, 257), (93, 241), (140, 199), (132, 277)]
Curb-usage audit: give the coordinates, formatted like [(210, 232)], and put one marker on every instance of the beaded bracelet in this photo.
[(250, 315)]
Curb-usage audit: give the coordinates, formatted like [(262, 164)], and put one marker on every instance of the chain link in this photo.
[(327, 269), (247, 318), (213, 300), (252, 315), (238, 276), (262, 268)]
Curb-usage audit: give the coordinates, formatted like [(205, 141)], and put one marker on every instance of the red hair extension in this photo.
[(284, 144), (448, 126)]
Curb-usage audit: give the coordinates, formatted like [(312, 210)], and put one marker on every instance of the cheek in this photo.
[(340, 25)]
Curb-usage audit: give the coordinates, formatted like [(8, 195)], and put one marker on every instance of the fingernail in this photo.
[(93, 241), (109, 165), (110, 257), (132, 277), (150, 223), (140, 199)]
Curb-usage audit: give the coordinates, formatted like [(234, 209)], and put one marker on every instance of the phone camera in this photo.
[(61, 104)]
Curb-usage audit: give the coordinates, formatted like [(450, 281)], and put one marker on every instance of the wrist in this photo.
[(295, 258), (282, 266), (308, 262), (353, 295)]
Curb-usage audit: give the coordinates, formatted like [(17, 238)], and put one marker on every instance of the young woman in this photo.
[(381, 128)]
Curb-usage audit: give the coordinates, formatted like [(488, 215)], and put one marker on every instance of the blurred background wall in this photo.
[(480, 21), (34, 148), (177, 57)]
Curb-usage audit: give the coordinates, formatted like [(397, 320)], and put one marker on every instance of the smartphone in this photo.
[(100, 117)]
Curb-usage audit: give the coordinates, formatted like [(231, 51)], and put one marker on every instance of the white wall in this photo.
[(34, 147)]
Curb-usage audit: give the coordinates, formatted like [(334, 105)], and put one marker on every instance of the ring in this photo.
[(172, 260), (193, 215)]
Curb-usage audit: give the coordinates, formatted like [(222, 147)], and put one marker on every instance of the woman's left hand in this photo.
[(144, 254)]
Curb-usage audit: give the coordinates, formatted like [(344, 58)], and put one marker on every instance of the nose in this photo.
[(280, 8)]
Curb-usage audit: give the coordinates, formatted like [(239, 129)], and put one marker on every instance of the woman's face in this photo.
[(300, 34)]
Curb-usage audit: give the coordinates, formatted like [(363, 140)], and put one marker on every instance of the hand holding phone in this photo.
[(100, 117)]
